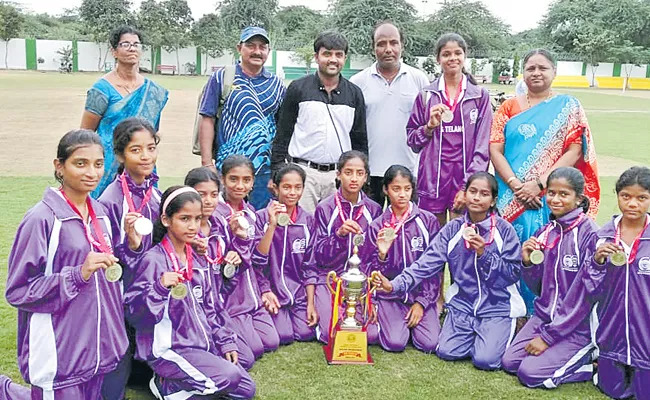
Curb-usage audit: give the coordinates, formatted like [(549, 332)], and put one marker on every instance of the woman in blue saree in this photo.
[(120, 94), (532, 135)]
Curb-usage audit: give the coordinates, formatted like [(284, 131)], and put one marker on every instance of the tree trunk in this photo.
[(178, 62), (99, 62), (7, 54)]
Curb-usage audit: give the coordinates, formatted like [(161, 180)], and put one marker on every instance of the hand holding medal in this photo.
[(350, 225), (142, 225), (278, 214), (95, 261), (239, 225), (176, 278), (529, 247), (607, 251)]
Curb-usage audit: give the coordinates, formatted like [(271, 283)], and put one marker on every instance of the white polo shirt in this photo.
[(388, 108)]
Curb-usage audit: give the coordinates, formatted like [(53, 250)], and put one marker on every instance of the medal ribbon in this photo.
[(98, 243), (219, 258), (129, 196), (294, 214), (397, 225), (543, 243), (635, 243), (337, 200), (493, 224), (169, 249), (452, 106)]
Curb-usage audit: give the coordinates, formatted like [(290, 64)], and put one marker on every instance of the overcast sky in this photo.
[(525, 15)]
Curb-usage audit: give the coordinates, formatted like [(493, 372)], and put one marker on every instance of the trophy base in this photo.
[(348, 346)]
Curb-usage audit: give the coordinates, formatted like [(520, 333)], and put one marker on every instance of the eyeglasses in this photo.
[(128, 45)]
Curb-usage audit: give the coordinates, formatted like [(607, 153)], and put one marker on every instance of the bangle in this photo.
[(512, 178), (429, 127), (539, 184)]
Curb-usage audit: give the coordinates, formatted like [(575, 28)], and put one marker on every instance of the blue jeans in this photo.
[(260, 195)]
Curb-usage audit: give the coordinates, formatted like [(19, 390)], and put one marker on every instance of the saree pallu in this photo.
[(147, 102), (534, 140)]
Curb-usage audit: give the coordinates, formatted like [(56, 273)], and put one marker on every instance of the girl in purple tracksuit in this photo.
[(171, 305), (130, 197), (70, 317), (339, 219), (622, 292), (546, 353), (241, 292), (279, 254), (484, 257), (218, 248), (410, 232)]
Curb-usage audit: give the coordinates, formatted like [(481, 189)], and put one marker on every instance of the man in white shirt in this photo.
[(389, 89)]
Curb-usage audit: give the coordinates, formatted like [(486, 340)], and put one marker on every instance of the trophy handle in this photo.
[(331, 278), (373, 287)]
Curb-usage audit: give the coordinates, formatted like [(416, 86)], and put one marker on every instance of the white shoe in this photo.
[(154, 388)]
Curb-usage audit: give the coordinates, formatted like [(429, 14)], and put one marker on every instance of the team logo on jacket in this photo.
[(417, 243), (198, 293), (570, 263), (473, 116), (644, 266), (298, 246)]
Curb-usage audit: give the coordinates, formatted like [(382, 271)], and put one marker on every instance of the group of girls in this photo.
[(214, 284)]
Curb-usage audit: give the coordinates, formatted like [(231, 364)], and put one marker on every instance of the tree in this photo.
[(305, 56), (178, 21), (298, 26), (100, 17), (593, 45), (630, 56), (208, 34), (151, 19), (430, 66), (11, 21)]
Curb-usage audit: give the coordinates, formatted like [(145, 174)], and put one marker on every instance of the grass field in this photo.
[(37, 108)]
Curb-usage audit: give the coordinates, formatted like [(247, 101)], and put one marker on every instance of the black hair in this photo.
[(492, 182), (402, 38), (454, 37), (123, 133), (200, 175), (159, 230), (577, 181), (116, 35), (634, 176), (72, 141), (349, 155), (287, 169), (399, 170), (547, 54), (331, 40), (236, 160)]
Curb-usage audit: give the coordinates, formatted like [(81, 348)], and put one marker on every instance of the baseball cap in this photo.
[(249, 32)]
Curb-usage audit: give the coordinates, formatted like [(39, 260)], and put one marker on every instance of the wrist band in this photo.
[(539, 184), (512, 178)]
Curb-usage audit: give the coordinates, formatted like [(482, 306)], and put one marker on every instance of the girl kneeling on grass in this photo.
[(399, 237), (484, 258), (341, 223), (283, 232), (220, 249), (63, 278), (240, 290), (546, 353), (172, 308)]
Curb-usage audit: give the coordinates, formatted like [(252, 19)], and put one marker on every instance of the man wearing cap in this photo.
[(246, 124)]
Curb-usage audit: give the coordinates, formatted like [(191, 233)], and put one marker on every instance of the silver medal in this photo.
[(143, 226), (358, 239), (229, 270), (284, 219), (447, 116), (468, 232), (113, 273)]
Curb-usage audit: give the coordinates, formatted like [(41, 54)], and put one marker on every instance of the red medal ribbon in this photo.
[(232, 210), (169, 249), (219, 258), (493, 224), (129, 197), (398, 225), (635, 243), (543, 243), (98, 243), (337, 200), (294, 214), (452, 106)]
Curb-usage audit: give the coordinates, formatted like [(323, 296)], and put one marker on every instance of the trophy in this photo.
[(348, 340)]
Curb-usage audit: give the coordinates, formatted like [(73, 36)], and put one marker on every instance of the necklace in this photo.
[(547, 97)]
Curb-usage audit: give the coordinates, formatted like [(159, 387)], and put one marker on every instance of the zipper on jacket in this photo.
[(627, 310), (99, 323), (406, 295), (478, 282), (557, 285), (284, 255)]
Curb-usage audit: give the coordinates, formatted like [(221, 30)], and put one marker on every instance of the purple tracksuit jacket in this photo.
[(476, 122), (116, 206), (483, 286), (281, 270), (552, 279), (418, 231), (69, 330), (163, 323)]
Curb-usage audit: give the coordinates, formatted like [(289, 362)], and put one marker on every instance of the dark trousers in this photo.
[(377, 190)]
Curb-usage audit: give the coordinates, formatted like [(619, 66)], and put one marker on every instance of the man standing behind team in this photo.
[(389, 88), (323, 116), (247, 122)]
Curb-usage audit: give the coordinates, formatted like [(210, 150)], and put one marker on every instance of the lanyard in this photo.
[(493, 224), (129, 197), (635, 243), (452, 106), (543, 243), (397, 225), (98, 243), (187, 275), (337, 200)]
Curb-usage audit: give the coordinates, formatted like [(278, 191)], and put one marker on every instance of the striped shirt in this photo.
[(247, 124)]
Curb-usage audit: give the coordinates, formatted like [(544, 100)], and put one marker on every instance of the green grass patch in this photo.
[(622, 135)]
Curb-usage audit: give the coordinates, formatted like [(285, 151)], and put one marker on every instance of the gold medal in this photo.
[(358, 239), (468, 232), (447, 116), (284, 219), (618, 259), (229, 270), (537, 257), (113, 273), (179, 291), (389, 234)]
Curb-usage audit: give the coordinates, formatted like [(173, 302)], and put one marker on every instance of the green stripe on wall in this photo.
[(617, 69), (158, 57), (584, 69), (647, 71), (75, 56), (31, 60), (199, 69)]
